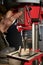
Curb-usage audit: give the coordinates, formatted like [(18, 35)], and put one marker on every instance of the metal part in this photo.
[(22, 40), (41, 37), (33, 37), (37, 33), (35, 43), (30, 1)]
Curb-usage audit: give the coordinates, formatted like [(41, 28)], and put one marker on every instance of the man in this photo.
[(7, 26)]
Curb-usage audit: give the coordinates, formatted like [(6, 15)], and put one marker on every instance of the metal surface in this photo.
[(15, 55), (37, 41), (33, 37), (31, 1), (41, 37)]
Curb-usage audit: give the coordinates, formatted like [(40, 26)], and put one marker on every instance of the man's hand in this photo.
[(8, 20)]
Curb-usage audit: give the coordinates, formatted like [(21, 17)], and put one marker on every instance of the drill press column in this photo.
[(34, 37)]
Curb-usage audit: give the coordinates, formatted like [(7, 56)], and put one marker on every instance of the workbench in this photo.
[(28, 60)]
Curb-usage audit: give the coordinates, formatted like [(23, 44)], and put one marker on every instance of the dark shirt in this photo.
[(14, 37)]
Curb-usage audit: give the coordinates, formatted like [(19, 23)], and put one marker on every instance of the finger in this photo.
[(9, 14), (15, 16)]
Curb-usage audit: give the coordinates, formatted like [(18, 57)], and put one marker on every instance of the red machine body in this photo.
[(38, 58), (34, 13)]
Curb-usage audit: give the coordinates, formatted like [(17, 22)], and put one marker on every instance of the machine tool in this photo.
[(29, 28)]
